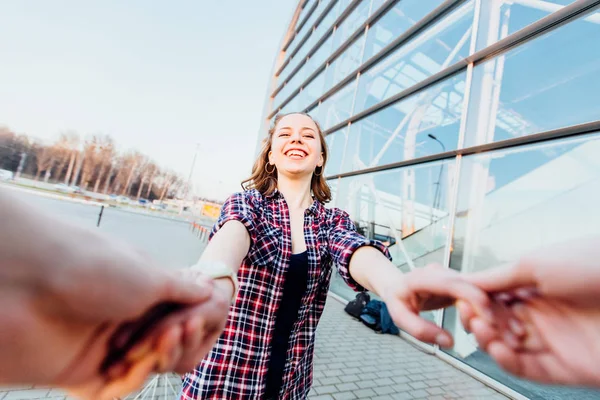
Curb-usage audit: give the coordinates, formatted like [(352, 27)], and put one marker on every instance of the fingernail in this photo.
[(503, 297), (525, 293), (443, 340), (117, 371), (138, 352), (488, 315), (511, 340), (519, 311), (516, 327)]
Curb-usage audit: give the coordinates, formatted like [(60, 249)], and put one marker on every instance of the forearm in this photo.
[(30, 241), (229, 245), (371, 269)]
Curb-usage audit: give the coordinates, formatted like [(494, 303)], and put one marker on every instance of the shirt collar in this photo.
[(315, 208)]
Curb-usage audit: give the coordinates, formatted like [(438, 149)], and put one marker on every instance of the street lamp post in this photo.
[(189, 181), (436, 196)]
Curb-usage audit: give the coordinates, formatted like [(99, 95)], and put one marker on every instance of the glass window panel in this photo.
[(320, 29), (326, 23), (337, 107), (307, 6), (293, 105), (347, 62), (336, 143), (280, 96), (395, 22), (299, 35), (351, 23), (313, 90), (314, 113), (376, 4), (341, 6), (319, 56), (293, 84), (438, 47), (512, 202), (299, 58), (501, 18), (406, 208), (309, 24), (423, 124), (548, 83)]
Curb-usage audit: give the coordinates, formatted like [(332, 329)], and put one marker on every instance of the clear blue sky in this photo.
[(159, 76)]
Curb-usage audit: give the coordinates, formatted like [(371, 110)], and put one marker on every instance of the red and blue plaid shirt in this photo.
[(236, 367)]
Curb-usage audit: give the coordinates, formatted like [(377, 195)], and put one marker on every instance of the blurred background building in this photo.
[(462, 132)]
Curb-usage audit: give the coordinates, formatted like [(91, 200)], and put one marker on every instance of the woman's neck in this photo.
[(296, 192)]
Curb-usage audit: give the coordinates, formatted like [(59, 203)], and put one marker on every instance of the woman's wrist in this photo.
[(225, 286)]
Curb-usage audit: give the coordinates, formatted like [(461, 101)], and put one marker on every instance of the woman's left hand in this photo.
[(430, 288)]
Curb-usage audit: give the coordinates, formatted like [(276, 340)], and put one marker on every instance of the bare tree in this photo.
[(45, 160), (90, 161), (168, 179), (152, 172), (63, 154), (71, 140), (138, 161), (105, 160)]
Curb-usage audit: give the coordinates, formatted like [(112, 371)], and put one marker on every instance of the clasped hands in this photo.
[(538, 318)]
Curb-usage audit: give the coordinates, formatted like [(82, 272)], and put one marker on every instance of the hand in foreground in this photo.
[(60, 310), (553, 300), (177, 344), (429, 288)]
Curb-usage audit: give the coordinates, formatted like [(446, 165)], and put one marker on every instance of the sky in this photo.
[(159, 76)]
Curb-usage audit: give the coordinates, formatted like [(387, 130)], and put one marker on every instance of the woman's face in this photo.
[(296, 146)]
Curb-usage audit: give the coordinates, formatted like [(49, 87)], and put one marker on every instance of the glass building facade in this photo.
[(461, 132)]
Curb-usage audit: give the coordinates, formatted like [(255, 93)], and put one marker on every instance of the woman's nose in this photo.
[(296, 137)]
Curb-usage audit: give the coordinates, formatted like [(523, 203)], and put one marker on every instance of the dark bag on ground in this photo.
[(375, 315), (356, 306)]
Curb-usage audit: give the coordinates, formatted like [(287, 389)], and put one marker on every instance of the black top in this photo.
[(294, 286)]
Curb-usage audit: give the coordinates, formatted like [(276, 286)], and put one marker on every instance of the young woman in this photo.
[(279, 240)]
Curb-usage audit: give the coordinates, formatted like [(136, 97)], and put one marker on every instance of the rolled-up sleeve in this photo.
[(238, 207), (344, 240)]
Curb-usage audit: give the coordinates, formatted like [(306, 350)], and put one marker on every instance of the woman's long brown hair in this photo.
[(266, 182)]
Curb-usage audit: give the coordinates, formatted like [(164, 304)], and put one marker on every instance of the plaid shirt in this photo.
[(237, 365)]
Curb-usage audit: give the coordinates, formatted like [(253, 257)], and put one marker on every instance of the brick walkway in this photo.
[(351, 362)]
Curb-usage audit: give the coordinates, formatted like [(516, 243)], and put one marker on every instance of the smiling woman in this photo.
[(306, 153), (280, 241)]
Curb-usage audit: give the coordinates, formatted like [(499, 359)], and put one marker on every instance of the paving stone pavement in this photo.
[(351, 362)]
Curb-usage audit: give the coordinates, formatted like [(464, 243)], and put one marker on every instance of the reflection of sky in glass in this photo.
[(401, 131), (336, 144), (433, 50), (338, 107), (319, 56), (351, 23), (343, 65), (512, 16), (395, 22), (512, 202), (545, 84), (313, 90)]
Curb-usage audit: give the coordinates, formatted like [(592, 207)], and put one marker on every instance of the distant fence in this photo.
[(202, 232)]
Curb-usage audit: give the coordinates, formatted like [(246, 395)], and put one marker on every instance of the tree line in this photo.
[(92, 163)]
